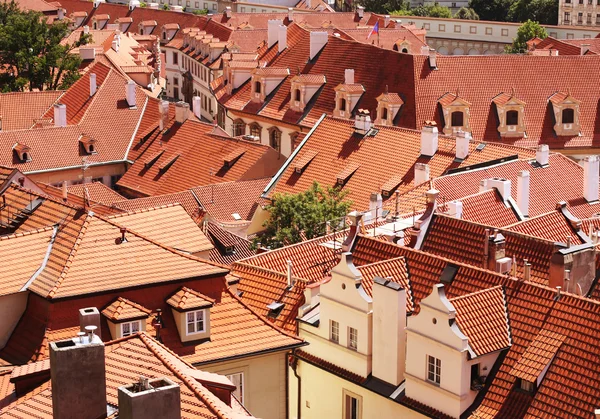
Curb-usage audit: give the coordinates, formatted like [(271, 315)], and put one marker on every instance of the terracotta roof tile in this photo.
[(486, 208), (123, 309), (186, 199), (551, 226), (20, 110), (97, 191), (188, 299), (538, 355), (395, 269)]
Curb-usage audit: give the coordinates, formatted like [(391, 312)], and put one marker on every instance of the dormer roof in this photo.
[(315, 79), (453, 99), (538, 356), (188, 299), (507, 99), (391, 98), (350, 88), (123, 309), (563, 97), (272, 72)]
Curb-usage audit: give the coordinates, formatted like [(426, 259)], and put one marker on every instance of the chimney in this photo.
[(89, 316), (348, 76), (523, 192), (584, 48), (375, 207), (272, 31), (181, 111), (355, 218), (308, 4), (317, 42), (195, 106), (429, 139), (290, 14), (502, 185), (360, 11), (78, 377), (421, 173), (65, 196), (163, 109), (150, 398), (591, 179), (455, 209), (462, 144), (133, 4), (362, 122), (386, 21), (87, 53), (496, 257), (92, 84), (424, 50), (60, 115), (389, 330), (60, 13), (130, 92), (86, 29), (432, 59), (526, 270), (542, 154), (290, 281), (228, 12), (282, 37), (115, 45)]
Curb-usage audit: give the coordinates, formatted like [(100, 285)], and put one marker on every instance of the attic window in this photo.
[(343, 176), (512, 118), (568, 116), (455, 110), (275, 309), (448, 274), (457, 119), (88, 145), (167, 164), (303, 161), (342, 106), (230, 159), (257, 87), (297, 95), (22, 153)]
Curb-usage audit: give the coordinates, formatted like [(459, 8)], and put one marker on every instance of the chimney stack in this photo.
[(375, 207), (65, 192), (272, 31), (421, 173), (429, 139), (386, 21), (462, 144), (523, 192), (432, 59), (228, 12), (502, 185), (290, 281), (317, 42), (591, 177), (362, 122), (455, 209), (163, 109), (130, 93), (181, 111), (290, 14), (196, 106), (115, 45), (86, 29), (360, 11), (93, 85), (89, 316), (78, 377), (282, 37), (542, 154), (150, 398), (60, 115), (87, 53), (389, 330), (348, 76)]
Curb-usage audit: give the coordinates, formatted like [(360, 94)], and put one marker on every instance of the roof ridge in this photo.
[(143, 210), (259, 268), (197, 294), (482, 291), (27, 233)]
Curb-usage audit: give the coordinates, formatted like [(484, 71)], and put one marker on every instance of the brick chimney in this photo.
[(93, 85), (282, 37), (348, 76), (60, 115), (542, 154), (523, 192), (389, 330), (462, 144), (150, 398), (163, 109), (182, 110), (429, 139), (591, 179), (78, 377), (272, 31), (196, 106), (317, 42), (421, 173), (130, 93)]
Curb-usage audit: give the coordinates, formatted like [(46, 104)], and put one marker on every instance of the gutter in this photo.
[(293, 363), (246, 355), (58, 169), (45, 261)]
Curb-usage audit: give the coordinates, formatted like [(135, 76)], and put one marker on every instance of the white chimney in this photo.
[(502, 185), (196, 106), (483, 185), (584, 48), (462, 144), (93, 85), (282, 37), (65, 191), (133, 4), (425, 50), (429, 139), (375, 206), (455, 209), (360, 11), (421, 173), (87, 53), (349, 76), (290, 281), (362, 122), (308, 4), (86, 29), (542, 154), (60, 13), (389, 331), (60, 115), (523, 192), (163, 109), (317, 42), (176, 8), (433, 59), (130, 93), (591, 178), (228, 12), (115, 45), (153, 6), (386, 21), (290, 14), (182, 110), (272, 31)]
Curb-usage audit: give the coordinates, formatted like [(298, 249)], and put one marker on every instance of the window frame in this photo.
[(195, 322), (512, 112), (332, 336), (462, 119), (130, 324), (434, 369), (348, 396), (241, 388), (352, 338), (570, 112)]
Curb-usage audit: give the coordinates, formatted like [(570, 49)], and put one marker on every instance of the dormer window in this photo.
[(22, 153), (512, 118), (342, 106), (385, 115), (88, 145), (195, 322), (265, 80), (388, 106), (125, 318), (191, 311), (455, 111), (566, 114), (297, 95), (303, 88), (347, 96), (511, 115), (257, 87)]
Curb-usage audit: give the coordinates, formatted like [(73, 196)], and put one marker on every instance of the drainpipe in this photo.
[(293, 363)]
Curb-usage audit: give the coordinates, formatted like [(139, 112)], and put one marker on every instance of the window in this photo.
[(238, 381), (512, 118), (176, 92), (589, 18), (195, 322), (297, 95), (457, 119), (334, 331), (342, 105), (130, 328), (206, 6), (442, 28), (597, 18), (473, 29), (488, 31), (352, 338), (457, 28), (255, 130), (434, 369), (580, 1), (384, 114), (567, 17), (164, 34), (257, 87), (352, 405), (239, 128), (275, 139), (568, 116), (504, 32), (580, 18), (197, 5), (176, 81), (175, 58)]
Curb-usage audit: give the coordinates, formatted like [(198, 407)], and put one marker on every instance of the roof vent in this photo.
[(121, 239)]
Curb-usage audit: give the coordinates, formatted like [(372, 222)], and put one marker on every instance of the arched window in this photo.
[(255, 130), (457, 119), (384, 114), (405, 50), (239, 128), (257, 87), (164, 34), (342, 104), (512, 118), (275, 139), (568, 116), (297, 95), (95, 25), (142, 30)]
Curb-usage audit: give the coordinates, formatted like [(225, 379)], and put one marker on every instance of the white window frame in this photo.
[(130, 325), (346, 413), (195, 322), (434, 369), (353, 343), (334, 325), (242, 386)]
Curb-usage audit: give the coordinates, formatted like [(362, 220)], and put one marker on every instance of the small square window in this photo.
[(130, 328), (214, 7), (457, 28), (426, 26), (195, 322), (504, 32), (442, 27), (473, 29), (488, 31)]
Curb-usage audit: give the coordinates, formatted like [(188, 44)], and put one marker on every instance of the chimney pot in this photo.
[(523, 192), (591, 178), (228, 12), (429, 139), (89, 316), (317, 42), (542, 154), (526, 270), (60, 115), (181, 111), (130, 93), (349, 76), (163, 109)]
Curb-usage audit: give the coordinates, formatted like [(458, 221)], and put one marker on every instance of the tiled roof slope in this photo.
[(126, 360), (97, 192), (123, 309), (182, 148), (222, 239), (392, 152), (187, 299), (169, 225), (538, 355), (486, 208), (77, 201), (222, 200), (551, 226), (482, 317), (561, 180), (569, 46), (20, 110), (186, 199), (395, 269), (387, 38)]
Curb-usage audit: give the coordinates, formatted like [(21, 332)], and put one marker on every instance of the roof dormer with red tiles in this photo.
[(265, 81), (100, 21), (124, 23), (191, 311), (565, 109), (388, 106), (146, 27), (456, 113), (303, 88), (237, 73), (168, 32), (347, 95), (511, 115)]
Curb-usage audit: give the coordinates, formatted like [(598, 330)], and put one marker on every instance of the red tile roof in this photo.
[(395, 269), (186, 199), (569, 46), (224, 240), (387, 38), (20, 110), (538, 355), (486, 208), (188, 299), (97, 192), (551, 226), (123, 309)]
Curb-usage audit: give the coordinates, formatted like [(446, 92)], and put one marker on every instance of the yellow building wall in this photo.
[(12, 307), (264, 382), (75, 175)]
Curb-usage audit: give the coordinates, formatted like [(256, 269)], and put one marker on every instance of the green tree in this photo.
[(379, 6), (431, 11), (200, 12), (543, 11), (294, 216), (165, 6), (467, 14), (491, 9), (526, 31), (32, 51)]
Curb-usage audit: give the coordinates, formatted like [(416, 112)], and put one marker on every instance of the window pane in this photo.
[(238, 381), (125, 328), (135, 327)]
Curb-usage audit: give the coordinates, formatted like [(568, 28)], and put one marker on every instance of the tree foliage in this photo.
[(384, 6), (491, 9), (543, 11), (294, 216), (32, 53), (434, 10), (467, 14), (526, 31)]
